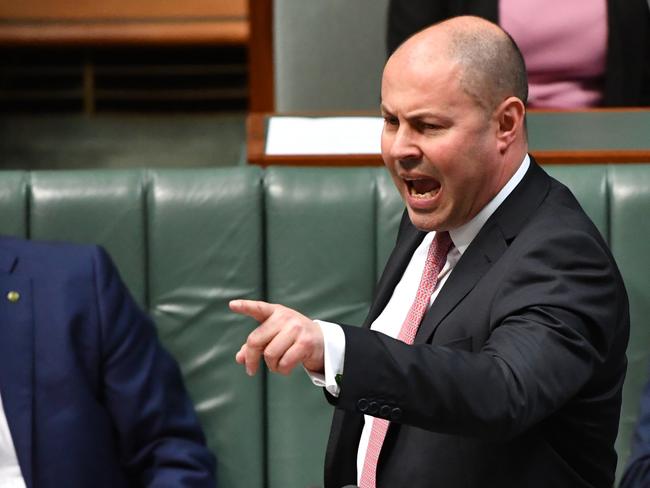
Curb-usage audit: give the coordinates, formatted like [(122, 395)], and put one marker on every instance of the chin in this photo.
[(425, 223)]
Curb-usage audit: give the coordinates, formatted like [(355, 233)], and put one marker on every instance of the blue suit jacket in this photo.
[(91, 397), (637, 472)]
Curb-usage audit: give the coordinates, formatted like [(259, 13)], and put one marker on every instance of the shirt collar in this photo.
[(463, 236)]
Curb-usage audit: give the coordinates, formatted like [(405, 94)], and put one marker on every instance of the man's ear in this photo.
[(511, 114)]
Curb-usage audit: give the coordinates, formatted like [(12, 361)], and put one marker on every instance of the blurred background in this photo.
[(154, 83)]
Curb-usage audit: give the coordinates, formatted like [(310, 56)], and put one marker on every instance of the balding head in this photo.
[(491, 65), (452, 101)]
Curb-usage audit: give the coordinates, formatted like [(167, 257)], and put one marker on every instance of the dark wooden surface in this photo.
[(260, 56), (123, 22)]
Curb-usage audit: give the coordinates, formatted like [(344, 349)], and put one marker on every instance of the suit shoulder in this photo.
[(43, 257), (562, 211)]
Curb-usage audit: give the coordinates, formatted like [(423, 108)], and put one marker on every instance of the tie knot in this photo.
[(442, 242)]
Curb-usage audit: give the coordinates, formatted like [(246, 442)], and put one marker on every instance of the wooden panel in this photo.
[(123, 22), (29, 10), (229, 32), (260, 57)]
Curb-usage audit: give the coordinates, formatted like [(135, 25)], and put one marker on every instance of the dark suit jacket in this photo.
[(91, 398), (515, 376), (627, 78)]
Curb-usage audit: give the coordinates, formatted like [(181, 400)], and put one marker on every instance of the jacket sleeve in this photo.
[(161, 441)]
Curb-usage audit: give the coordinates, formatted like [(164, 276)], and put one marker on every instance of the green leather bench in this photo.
[(188, 241)]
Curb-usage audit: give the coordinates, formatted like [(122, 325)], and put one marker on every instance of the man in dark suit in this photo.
[(90, 397), (494, 351)]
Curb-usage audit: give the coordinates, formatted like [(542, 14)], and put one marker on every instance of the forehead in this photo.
[(411, 84)]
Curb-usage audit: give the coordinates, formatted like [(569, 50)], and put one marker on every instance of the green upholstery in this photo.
[(311, 230), (629, 196), (187, 241), (205, 249), (389, 212), (94, 206), (13, 202), (589, 185)]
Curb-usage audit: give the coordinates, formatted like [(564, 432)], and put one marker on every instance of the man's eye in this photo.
[(429, 127), (391, 121)]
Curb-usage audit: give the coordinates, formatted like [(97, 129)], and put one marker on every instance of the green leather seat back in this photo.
[(629, 197), (13, 203), (320, 260), (390, 208), (589, 185), (205, 249), (103, 207)]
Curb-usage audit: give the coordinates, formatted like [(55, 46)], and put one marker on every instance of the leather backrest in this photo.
[(105, 207), (321, 261), (589, 184), (205, 248), (629, 202)]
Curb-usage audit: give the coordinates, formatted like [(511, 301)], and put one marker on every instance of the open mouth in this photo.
[(423, 187)]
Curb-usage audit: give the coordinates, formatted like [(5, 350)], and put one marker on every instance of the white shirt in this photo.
[(392, 317), (10, 475)]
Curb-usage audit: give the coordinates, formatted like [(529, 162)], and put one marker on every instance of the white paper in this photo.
[(323, 135)]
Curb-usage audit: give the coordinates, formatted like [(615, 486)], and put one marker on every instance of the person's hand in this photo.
[(284, 337)]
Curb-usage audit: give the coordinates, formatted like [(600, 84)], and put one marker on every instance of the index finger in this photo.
[(255, 309)]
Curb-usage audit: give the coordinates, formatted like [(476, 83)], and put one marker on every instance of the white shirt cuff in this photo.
[(334, 341)]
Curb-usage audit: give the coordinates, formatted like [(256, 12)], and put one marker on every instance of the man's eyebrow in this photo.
[(422, 114), (425, 115)]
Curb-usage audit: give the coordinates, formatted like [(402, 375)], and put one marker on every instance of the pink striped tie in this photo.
[(436, 259)]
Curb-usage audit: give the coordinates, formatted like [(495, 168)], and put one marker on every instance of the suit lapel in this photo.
[(487, 247), (17, 360), (474, 263)]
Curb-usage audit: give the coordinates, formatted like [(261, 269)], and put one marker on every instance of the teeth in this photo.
[(428, 194)]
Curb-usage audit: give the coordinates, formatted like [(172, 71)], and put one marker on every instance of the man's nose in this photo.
[(404, 146)]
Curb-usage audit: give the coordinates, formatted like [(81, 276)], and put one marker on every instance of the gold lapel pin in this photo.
[(13, 296)]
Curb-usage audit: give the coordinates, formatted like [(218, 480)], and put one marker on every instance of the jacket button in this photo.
[(384, 411), (373, 407), (396, 414), (362, 404)]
